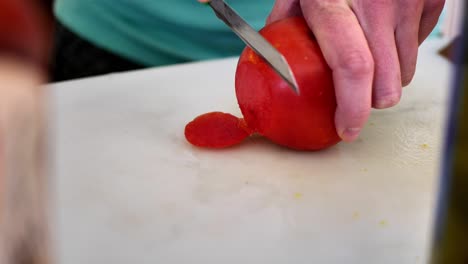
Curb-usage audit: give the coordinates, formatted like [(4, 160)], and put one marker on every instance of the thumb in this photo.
[(283, 9)]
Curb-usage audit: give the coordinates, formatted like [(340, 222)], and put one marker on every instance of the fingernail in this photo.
[(350, 134), (387, 102), (382, 104)]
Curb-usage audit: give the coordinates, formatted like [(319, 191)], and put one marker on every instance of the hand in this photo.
[(371, 46)]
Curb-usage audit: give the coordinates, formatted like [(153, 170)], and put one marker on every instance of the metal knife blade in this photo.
[(255, 41)]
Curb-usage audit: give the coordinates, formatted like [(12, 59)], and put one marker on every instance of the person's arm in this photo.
[(23, 62), (371, 46)]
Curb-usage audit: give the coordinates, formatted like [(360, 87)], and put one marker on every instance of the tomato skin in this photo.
[(268, 104)]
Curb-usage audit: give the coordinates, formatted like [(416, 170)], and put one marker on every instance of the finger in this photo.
[(429, 18), (345, 49), (283, 9), (377, 20), (407, 41)]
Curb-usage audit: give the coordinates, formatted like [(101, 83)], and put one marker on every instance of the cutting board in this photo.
[(128, 188)]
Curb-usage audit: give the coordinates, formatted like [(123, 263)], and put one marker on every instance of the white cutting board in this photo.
[(128, 188)]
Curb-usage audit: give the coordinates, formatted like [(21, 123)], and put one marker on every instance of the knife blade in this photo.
[(254, 40)]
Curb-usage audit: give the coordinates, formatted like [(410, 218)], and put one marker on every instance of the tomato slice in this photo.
[(216, 130)]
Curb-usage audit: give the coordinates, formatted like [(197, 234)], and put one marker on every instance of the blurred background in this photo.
[(450, 21), (40, 27)]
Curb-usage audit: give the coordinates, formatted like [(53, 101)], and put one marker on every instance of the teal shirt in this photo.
[(159, 32)]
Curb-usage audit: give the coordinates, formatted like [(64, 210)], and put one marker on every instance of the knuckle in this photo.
[(325, 7), (357, 64), (372, 8)]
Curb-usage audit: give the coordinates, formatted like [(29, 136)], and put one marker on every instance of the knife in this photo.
[(254, 40)]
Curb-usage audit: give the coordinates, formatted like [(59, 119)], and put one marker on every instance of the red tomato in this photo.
[(271, 108)]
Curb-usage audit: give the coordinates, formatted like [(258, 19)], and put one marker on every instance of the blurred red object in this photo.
[(25, 29)]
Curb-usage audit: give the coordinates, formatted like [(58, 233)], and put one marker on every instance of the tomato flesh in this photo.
[(216, 130)]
